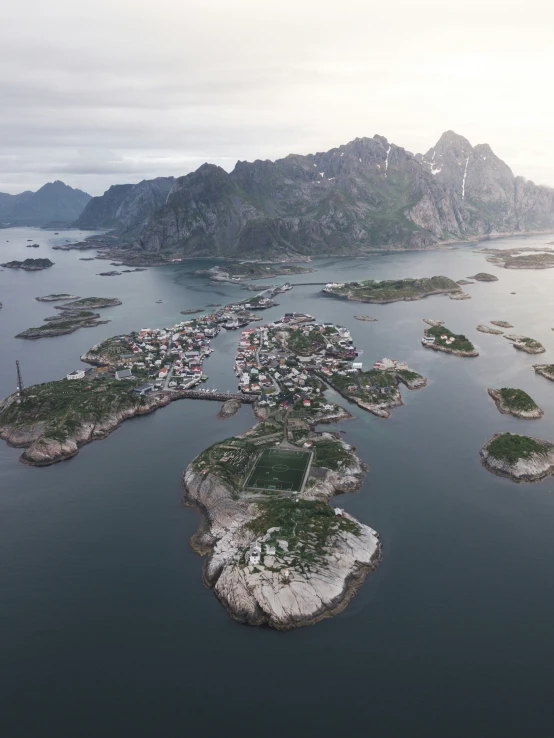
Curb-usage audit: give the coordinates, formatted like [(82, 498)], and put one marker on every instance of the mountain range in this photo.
[(368, 194), (55, 202)]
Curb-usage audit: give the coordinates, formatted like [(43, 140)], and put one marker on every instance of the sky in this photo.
[(114, 91)]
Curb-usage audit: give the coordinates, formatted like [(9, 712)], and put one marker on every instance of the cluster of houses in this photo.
[(265, 366)]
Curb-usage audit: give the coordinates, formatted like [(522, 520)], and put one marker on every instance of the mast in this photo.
[(20, 387)]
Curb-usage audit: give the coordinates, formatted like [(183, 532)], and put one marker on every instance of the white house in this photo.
[(77, 374)]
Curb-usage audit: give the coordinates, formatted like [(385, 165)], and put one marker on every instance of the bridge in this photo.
[(218, 396)]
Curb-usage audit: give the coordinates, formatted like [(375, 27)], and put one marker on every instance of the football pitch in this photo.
[(279, 469)]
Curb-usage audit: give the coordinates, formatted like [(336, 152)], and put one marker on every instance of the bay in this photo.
[(105, 626)]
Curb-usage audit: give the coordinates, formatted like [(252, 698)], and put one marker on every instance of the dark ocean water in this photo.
[(105, 626)]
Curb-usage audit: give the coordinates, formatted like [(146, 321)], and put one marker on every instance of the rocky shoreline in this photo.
[(41, 451), (264, 594), (545, 370)]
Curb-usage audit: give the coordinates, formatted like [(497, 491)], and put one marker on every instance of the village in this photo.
[(292, 361)]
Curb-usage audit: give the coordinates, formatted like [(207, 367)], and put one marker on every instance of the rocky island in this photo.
[(545, 370), (526, 344), (243, 271), (72, 316), (366, 318), (278, 553), (522, 258), (442, 339), (29, 265), (392, 290), (520, 458), (57, 297), (484, 277), (516, 402), (487, 329), (502, 323)]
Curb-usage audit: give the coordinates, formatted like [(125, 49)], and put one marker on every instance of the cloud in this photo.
[(105, 92)]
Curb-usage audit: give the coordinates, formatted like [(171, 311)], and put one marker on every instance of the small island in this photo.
[(442, 339), (72, 316), (526, 344), (366, 318), (516, 402), (484, 277), (393, 290), (278, 553), (502, 323), (29, 265), (519, 458), (57, 297), (244, 271), (545, 370), (487, 329)]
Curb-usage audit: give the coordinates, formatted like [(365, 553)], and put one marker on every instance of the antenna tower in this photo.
[(20, 387)]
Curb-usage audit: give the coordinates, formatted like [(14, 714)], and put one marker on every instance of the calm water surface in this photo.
[(105, 627)]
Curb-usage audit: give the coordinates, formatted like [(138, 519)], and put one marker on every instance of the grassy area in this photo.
[(511, 447), (307, 526), (112, 347), (331, 455), (399, 289), (461, 343), (517, 399), (65, 405), (407, 374), (280, 469), (306, 344)]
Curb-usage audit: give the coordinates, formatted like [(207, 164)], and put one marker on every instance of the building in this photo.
[(124, 374), (76, 374), (143, 389)]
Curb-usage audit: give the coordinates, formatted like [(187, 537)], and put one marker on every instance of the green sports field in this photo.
[(279, 469)]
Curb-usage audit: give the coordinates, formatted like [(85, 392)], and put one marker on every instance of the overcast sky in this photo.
[(110, 91)]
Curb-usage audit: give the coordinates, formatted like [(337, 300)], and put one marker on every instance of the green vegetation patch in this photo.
[(64, 405), (512, 447), (306, 343), (397, 289), (517, 399), (331, 455)]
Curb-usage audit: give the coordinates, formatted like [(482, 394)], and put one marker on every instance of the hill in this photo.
[(54, 202)]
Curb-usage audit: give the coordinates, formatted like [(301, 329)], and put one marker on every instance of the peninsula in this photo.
[(515, 402), (392, 290), (520, 458), (440, 338)]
